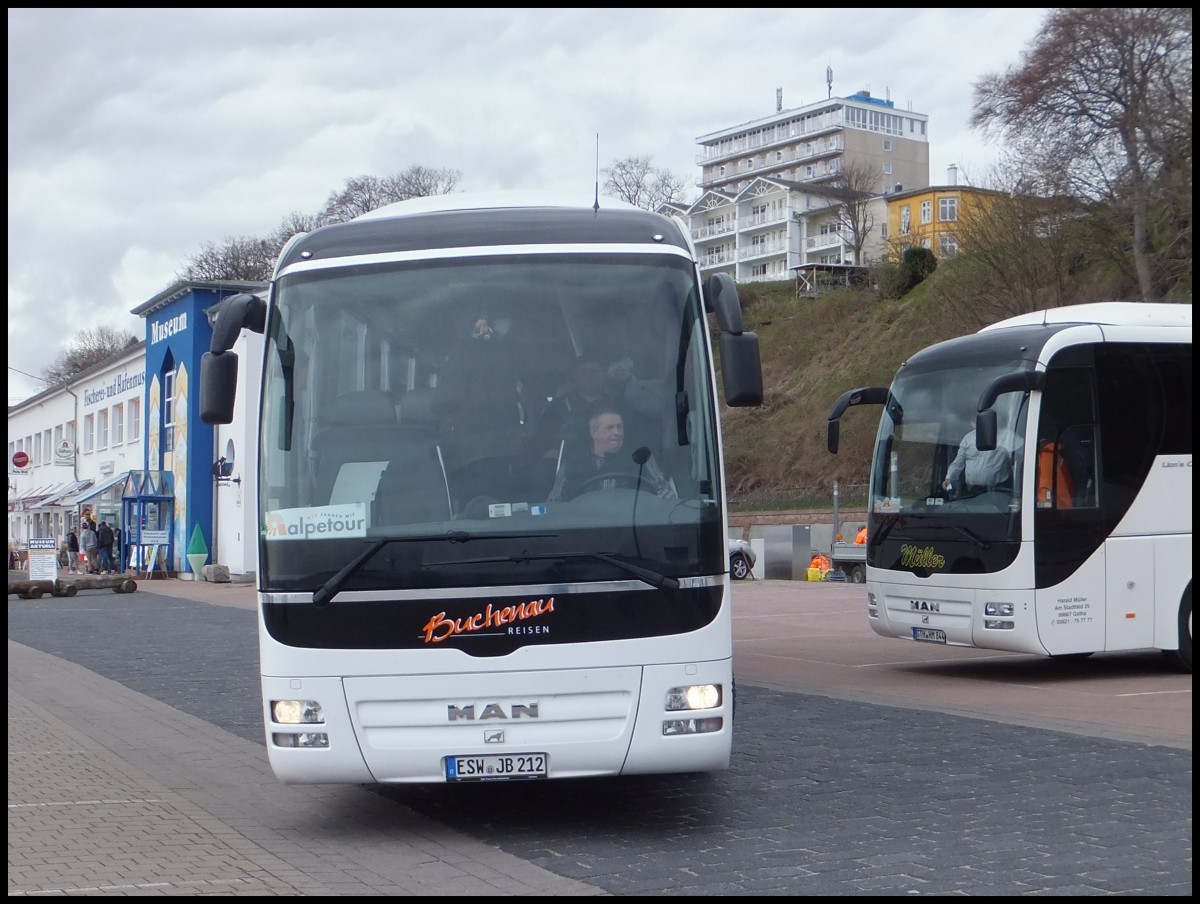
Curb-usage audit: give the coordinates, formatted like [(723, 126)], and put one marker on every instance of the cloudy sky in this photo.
[(137, 136)]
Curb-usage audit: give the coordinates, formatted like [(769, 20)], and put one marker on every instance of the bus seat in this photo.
[(413, 488), (416, 407), (358, 441)]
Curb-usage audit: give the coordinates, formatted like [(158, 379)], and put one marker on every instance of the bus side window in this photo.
[(1055, 489), (1079, 459), (1066, 470)]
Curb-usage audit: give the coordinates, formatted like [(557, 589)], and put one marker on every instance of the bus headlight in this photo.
[(998, 610), (297, 712), (695, 696), (872, 605)]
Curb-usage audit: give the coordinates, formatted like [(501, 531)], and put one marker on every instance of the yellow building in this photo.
[(933, 217)]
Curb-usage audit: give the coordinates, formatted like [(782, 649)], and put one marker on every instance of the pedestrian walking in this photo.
[(72, 551), (89, 542), (104, 546)]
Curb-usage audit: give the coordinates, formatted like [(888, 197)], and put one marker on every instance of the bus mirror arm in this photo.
[(985, 417), (237, 313), (864, 395)]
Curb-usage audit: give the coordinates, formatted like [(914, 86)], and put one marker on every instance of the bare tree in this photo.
[(253, 259), (292, 224), (852, 193), (240, 258), (363, 194), (637, 181), (1103, 98), (421, 182), (88, 347)]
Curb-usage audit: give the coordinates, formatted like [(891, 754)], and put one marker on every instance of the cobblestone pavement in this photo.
[(136, 767)]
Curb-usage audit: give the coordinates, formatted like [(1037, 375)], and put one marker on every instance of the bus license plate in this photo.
[(929, 635), (495, 767)]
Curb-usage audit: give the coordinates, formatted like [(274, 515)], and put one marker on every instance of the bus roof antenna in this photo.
[(596, 203)]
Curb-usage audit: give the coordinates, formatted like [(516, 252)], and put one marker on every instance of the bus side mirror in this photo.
[(218, 387), (985, 430), (741, 370), (741, 361)]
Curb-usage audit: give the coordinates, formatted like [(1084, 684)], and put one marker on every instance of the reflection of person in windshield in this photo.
[(603, 461), (976, 471)]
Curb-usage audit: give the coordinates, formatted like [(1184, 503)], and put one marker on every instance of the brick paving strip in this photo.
[(113, 793)]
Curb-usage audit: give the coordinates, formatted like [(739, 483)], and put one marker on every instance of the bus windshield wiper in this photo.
[(326, 591), (653, 578), (972, 536)]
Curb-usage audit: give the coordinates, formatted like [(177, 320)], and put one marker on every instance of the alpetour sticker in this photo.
[(327, 522)]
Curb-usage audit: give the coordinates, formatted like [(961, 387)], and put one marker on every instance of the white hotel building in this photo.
[(764, 209)]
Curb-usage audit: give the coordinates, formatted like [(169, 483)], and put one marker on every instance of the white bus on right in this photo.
[(1031, 486)]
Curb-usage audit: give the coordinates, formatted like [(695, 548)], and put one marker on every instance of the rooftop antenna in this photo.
[(778, 100), (596, 203), (828, 82)]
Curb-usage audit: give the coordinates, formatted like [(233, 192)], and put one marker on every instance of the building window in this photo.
[(721, 170), (947, 245), (102, 429), (779, 156), (168, 412), (118, 425), (135, 420), (887, 169), (883, 231), (926, 213), (758, 270), (948, 210), (905, 220), (89, 433), (887, 144)]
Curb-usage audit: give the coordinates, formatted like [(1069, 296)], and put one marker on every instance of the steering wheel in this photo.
[(619, 478)]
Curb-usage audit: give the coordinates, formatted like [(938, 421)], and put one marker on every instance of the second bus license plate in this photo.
[(496, 766), (929, 635)]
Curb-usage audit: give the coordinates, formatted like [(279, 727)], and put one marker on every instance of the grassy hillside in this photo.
[(812, 351)]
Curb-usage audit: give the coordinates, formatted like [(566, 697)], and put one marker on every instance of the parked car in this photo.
[(741, 559)]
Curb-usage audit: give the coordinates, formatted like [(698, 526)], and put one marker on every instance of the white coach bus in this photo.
[(436, 603), (1069, 529)]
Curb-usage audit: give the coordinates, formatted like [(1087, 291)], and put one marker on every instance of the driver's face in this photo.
[(608, 434)]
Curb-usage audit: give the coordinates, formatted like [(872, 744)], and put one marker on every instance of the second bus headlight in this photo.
[(694, 696), (297, 712)]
